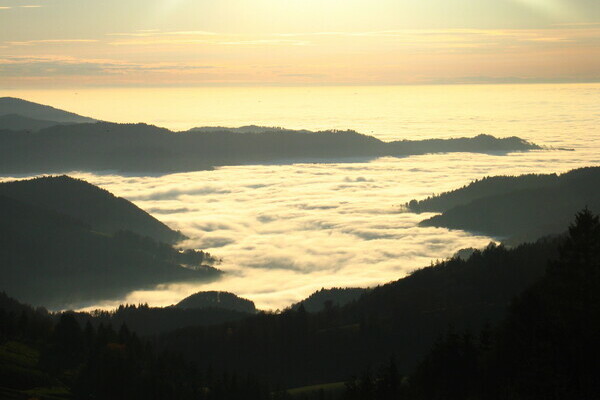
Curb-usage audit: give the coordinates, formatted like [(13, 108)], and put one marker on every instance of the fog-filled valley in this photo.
[(222, 257)]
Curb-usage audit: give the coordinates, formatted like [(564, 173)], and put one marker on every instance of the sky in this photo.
[(122, 43)]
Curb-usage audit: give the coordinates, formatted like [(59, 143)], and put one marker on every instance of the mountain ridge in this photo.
[(142, 148), (29, 109)]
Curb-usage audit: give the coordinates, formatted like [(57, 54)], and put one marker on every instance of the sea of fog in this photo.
[(285, 231)]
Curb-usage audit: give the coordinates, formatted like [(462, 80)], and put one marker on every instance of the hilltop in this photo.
[(100, 209), (36, 111), (214, 299)]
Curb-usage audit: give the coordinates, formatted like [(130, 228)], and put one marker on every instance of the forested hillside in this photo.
[(545, 348), (103, 211), (519, 208), (58, 260)]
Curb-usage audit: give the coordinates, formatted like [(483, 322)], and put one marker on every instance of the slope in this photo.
[(11, 105), (520, 208), (97, 207), (55, 260)]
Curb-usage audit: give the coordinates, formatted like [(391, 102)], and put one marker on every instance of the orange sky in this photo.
[(88, 43)]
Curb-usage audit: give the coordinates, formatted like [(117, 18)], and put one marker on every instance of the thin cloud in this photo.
[(23, 6), (448, 36), (155, 33), (258, 42), (52, 66), (208, 38), (51, 41)]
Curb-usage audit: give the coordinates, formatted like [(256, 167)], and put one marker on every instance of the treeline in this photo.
[(328, 298), (150, 321), (518, 208), (217, 299)]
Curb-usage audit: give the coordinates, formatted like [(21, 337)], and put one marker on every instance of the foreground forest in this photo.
[(506, 323)]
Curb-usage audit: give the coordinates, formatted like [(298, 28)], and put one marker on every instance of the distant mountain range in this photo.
[(66, 243), (141, 148), (515, 207), (36, 113)]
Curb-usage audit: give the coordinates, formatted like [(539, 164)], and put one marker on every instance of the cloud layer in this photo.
[(287, 231)]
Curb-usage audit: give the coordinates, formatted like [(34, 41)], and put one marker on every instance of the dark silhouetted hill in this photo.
[(481, 188), (28, 109), (97, 207), (519, 208), (142, 148), (213, 299), (53, 259), (327, 298), (545, 348)]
